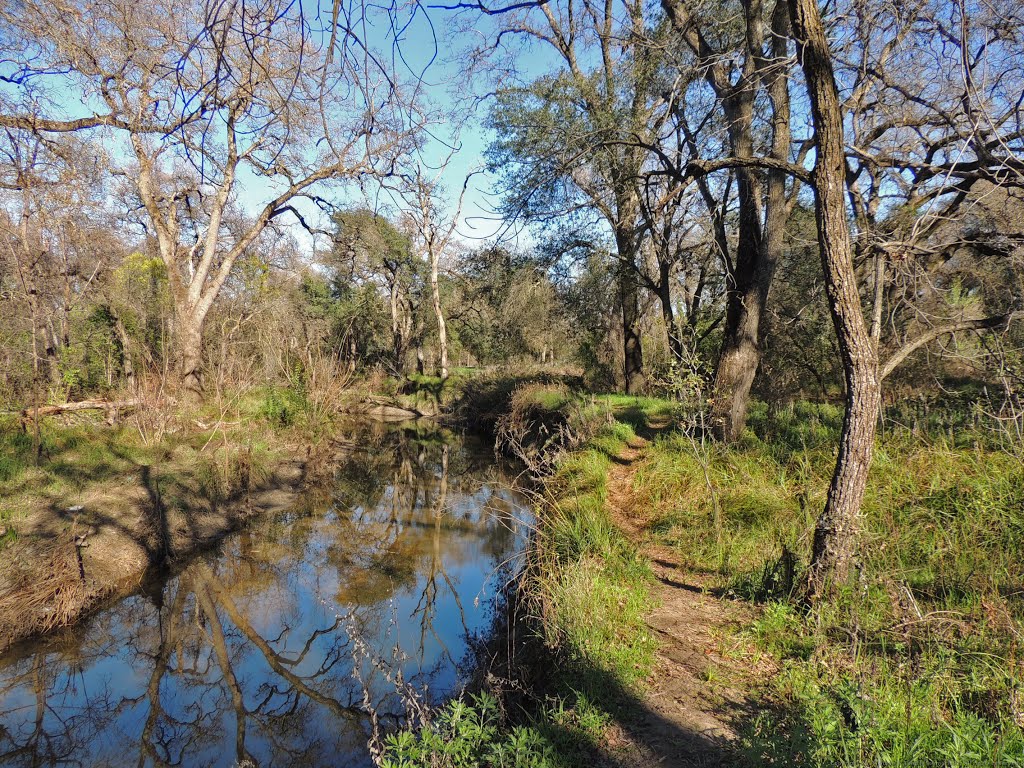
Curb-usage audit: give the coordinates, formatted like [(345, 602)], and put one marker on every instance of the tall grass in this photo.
[(919, 660)]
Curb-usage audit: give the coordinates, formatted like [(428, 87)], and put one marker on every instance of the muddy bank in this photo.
[(67, 561)]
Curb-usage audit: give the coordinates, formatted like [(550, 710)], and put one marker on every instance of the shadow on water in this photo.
[(299, 638)]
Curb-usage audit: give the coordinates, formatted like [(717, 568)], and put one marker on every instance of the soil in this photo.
[(67, 561), (686, 714)]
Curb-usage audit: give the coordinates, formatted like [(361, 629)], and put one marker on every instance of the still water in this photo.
[(297, 637)]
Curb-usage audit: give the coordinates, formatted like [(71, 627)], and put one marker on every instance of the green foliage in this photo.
[(280, 406), (876, 709), (468, 735), (506, 309)]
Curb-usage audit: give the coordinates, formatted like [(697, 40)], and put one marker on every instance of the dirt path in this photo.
[(684, 716)]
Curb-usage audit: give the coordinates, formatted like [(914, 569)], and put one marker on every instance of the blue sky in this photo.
[(428, 47)]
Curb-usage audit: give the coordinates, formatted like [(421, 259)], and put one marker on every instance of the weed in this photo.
[(468, 734)]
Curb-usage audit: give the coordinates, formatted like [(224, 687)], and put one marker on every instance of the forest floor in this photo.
[(702, 679)]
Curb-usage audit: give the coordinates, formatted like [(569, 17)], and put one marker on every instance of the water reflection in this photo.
[(298, 639)]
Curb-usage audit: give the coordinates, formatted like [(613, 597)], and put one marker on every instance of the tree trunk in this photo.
[(189, 353), (738, 362), (399, 339), (675, 343), (835, 536), (442, 328), (740, 355), (123, 340), (632, 349), (629, 304), (353, 353), (759, 244)]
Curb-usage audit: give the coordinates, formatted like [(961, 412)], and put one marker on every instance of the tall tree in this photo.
[(371, 249), (835, 533), (433, 231), (574, 140), (966, 139), (739, 62)]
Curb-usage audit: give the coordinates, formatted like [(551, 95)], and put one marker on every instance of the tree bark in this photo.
[(668, 315), (759, 243), (632, 348), (189, 355), (740, 355), (442, 328), (397, 335), (836, 532)]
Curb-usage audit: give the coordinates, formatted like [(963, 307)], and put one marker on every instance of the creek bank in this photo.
[(303, 631), (69, 560), (573, 649), (128, 512)]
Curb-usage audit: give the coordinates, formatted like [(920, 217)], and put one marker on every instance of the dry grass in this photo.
[(43, 588)]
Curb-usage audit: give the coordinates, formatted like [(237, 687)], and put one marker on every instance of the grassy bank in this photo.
[(918, 662)]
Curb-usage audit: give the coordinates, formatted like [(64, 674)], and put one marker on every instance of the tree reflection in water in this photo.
[(296, 640)]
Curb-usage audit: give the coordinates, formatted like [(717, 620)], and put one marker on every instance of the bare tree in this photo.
[(835, 533), (206, 98), (942, 144), (433, 231), (51, 253)]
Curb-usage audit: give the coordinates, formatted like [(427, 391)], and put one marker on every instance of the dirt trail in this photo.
[(684, 714)]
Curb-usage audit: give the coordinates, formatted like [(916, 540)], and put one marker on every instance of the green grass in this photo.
[(918, 661), (591, 584)]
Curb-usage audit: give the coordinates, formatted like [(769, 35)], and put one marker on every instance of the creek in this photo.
[(298, 637)]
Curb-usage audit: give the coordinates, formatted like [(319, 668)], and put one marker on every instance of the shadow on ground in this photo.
[(760, 733)]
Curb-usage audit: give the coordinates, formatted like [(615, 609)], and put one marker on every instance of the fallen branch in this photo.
[(110, 407)]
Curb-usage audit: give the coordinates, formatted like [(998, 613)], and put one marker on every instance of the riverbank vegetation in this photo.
[(752, 297), (917, 662)]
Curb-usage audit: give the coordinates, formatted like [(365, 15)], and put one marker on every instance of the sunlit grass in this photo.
[(918, 661)]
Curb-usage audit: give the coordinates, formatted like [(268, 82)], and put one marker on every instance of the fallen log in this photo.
[(110, 408)]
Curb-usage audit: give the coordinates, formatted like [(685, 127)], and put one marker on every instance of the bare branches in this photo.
[(490, 11), (947, 329)]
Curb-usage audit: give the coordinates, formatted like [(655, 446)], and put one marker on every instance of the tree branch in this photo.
[(978, 324)]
